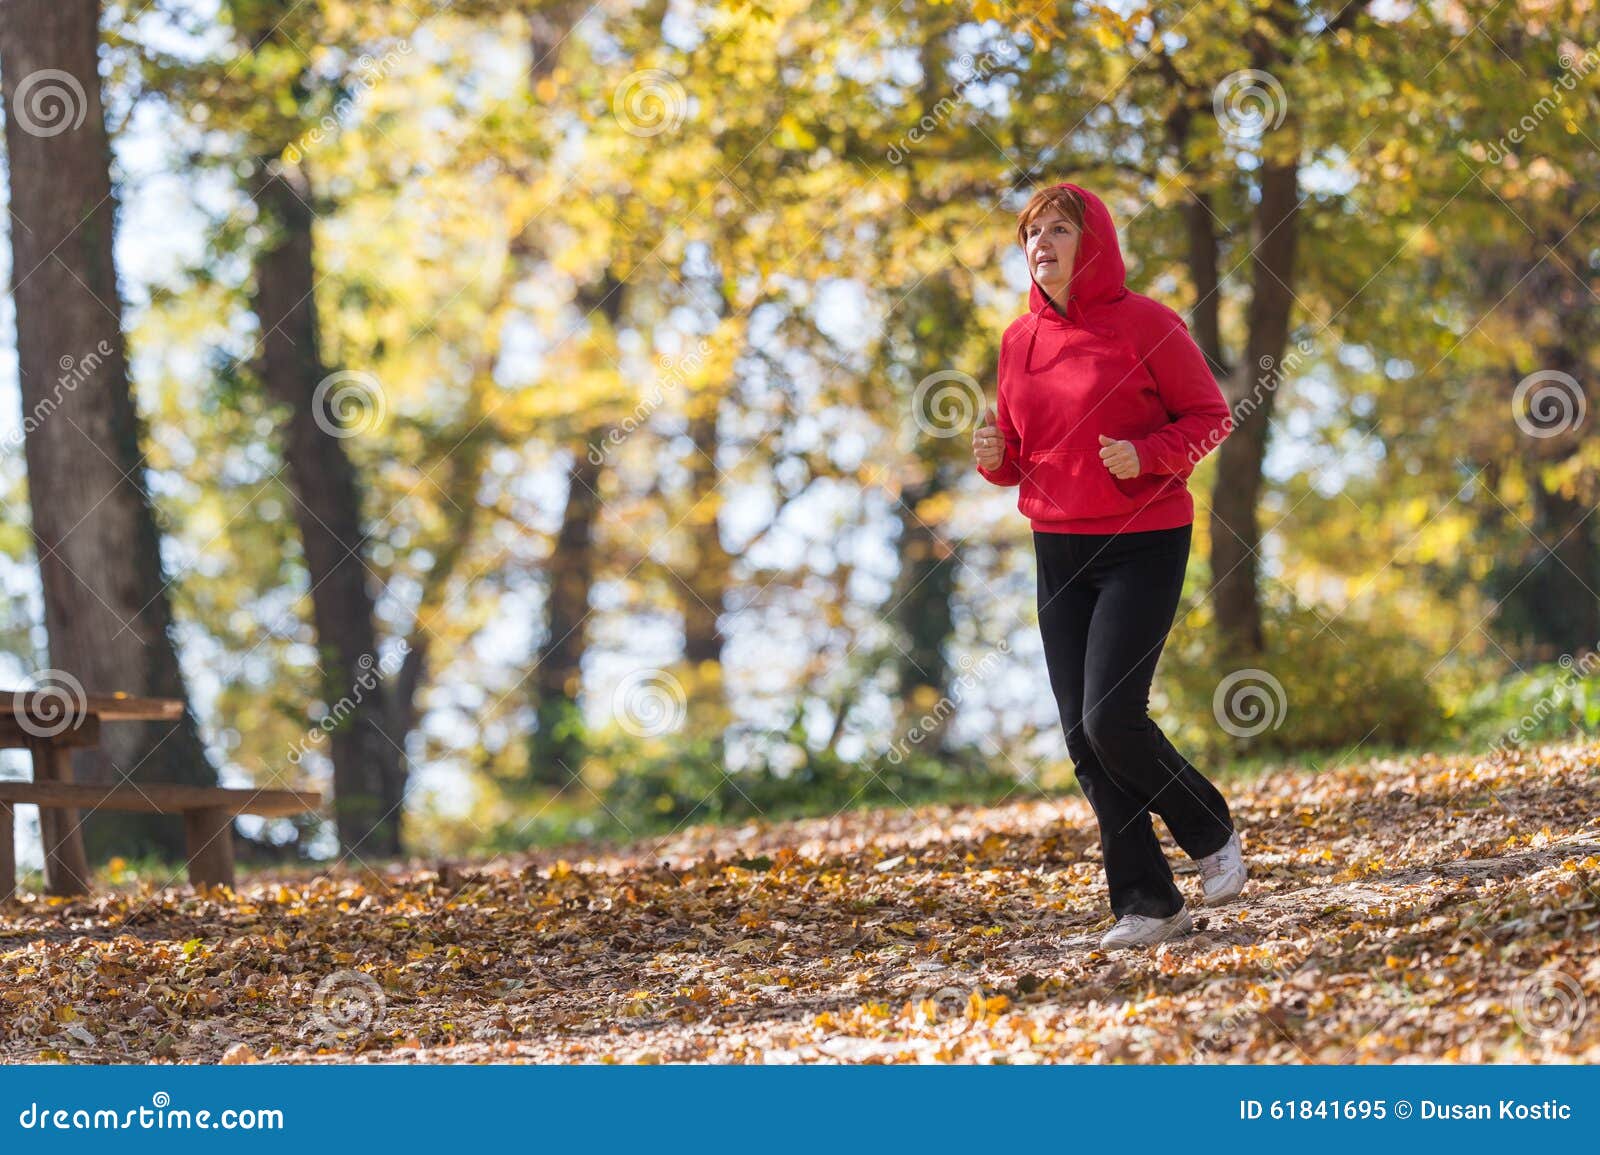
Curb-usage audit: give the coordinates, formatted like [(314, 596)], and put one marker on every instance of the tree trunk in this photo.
[(105, 598), (935, 316), (1251, 392), (1561, 605), (558, 743), (923, 615), (368, 763), (1205, 321), (705, 587), (1561, 588)]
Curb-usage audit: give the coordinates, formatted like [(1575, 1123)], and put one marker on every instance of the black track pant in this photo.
[(1106, 602)]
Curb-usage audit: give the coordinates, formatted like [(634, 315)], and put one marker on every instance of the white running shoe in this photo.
[(1143, 930), (1224, 871)]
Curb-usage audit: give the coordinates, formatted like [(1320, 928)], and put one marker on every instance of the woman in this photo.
[(1105, 406)]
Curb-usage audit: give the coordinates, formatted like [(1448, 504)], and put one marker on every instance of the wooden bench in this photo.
[(49, 726)]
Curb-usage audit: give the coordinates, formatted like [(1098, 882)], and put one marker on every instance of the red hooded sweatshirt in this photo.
[(1121, 364)]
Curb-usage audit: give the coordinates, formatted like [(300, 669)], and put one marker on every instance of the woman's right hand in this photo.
[(988, 447)]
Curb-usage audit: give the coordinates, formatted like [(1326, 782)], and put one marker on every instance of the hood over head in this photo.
[(1098, 274)]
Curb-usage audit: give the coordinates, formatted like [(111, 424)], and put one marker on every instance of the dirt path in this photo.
[(1429, 908)]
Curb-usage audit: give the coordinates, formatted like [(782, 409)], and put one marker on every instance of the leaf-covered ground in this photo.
[(1432, 908)]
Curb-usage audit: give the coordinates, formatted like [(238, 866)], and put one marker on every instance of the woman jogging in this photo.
[(1105, 406)]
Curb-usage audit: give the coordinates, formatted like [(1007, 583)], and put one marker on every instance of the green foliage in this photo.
[(628, 792), (1548, 703), (1324, 683)]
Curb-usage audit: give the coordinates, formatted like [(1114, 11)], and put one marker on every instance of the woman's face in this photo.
[(1051, 243)]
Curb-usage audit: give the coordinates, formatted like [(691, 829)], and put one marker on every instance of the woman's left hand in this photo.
[(1120, 457)]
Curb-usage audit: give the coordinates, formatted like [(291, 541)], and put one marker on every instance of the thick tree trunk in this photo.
[(105, 599), (1251, 392), (368, 763), (1560, 590), (1558, 593), (558, 743)]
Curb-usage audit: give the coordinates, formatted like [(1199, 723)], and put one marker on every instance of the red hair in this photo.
[(1064, 200)]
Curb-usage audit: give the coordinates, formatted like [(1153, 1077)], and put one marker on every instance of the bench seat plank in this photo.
[(162, 798)]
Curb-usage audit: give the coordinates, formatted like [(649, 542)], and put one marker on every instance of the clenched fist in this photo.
[(988, 447), (1120, 457)]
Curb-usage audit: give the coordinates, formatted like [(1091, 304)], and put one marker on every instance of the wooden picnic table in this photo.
[(50, 725)]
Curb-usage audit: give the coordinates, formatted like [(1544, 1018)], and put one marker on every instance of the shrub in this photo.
[(1320, 686), (632, 789), (1548, 703)]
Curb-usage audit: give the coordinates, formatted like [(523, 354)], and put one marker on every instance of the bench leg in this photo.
[(8, 853), (210, 841), (66, 867)]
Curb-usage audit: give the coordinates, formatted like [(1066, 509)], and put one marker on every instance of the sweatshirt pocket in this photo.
[(1069, 484)]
